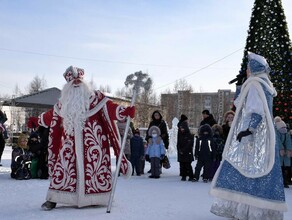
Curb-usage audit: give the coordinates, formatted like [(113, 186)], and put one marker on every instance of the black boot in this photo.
[(47, 206), (286, 177)]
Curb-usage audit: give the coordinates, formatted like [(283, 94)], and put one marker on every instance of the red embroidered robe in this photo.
[(80, 165)]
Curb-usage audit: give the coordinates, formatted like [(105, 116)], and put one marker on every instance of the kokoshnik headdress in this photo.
[(257, 64)]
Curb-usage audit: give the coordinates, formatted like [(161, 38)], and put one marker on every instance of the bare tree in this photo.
[(182, 85), (167, 91), (92, 84), (105, 88), (15, 122), (4, 97), (124, 92), (36, 85), (147, 103), (17, 92)]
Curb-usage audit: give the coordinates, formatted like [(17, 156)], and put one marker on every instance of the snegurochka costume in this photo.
[(249, 183)]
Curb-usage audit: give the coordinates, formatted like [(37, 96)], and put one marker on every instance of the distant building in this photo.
[(192, 105)]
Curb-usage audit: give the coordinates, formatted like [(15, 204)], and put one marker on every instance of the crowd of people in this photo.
[(206, 147), (29, 157), (245, 157)]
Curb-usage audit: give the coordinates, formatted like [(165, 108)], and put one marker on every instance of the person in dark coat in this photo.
[(185, 155), (160, 123), (208, 118), (3, 119), (3, 133), (2, 141), (183, 118), (137, 152), (35, 148), (42, 149), (204, 152), (228, 118), (43, 159)]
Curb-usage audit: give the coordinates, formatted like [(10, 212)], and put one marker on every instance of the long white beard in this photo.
[(75, 103)]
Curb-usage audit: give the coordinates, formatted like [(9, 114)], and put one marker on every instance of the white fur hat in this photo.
[(280, 124), (154, 128)]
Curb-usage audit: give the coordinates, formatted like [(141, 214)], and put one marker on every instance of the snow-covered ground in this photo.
[(139, 198)]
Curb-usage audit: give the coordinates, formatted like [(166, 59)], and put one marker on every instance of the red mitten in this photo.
[(32, 122), (129, 111)]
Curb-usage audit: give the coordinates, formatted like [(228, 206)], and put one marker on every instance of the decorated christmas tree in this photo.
[(268, 36)]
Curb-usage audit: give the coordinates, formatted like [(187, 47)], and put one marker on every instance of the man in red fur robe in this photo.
[(82, 129)]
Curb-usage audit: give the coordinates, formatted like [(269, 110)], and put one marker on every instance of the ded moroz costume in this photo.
[(82, 129), (248, 183)]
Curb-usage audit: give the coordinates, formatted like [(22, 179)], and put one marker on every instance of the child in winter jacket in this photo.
[(155, 151), (219, 143), (285, 147), (21, 160), (137, 152), (204, 152), (142, 165)]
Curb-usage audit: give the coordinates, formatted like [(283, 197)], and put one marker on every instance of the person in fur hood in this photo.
[(249, 183), (204, 152), (155, 151), (285, 149)]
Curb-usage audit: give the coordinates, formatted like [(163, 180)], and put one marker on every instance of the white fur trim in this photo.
[(244, 198), (118, 113), (99, 106), (75, 198), (255, 81), (247, 199), (128, 175), (129, 165), (57, 109), (41, 121)]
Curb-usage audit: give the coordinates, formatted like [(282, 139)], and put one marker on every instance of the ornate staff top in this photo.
[(139, 80)]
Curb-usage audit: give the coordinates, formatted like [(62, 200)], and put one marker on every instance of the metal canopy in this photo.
[(43, 99)]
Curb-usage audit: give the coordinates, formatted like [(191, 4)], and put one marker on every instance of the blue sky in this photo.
[(168, 39)]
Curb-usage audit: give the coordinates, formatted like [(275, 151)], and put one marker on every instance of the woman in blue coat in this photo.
[(248, 183)]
